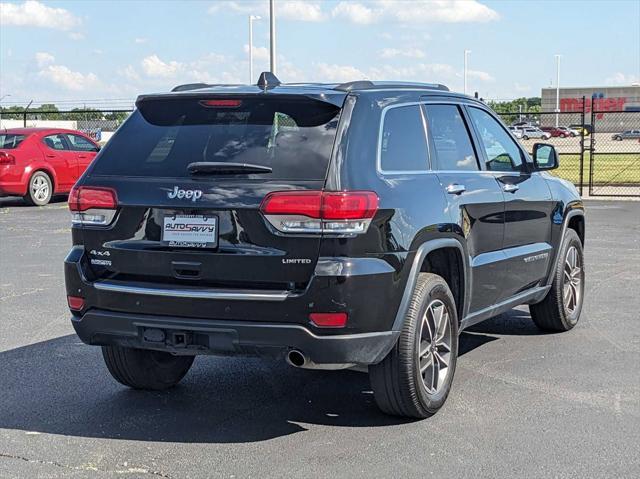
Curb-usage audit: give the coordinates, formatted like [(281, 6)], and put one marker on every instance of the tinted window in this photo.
[(11, 141), (403, 144), (502, 152), (292, 136), (79, 143), (55, 142), (451, 141)]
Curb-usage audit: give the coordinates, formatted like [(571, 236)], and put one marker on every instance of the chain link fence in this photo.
[(98, 124)]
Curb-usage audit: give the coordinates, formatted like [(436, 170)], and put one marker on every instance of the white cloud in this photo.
[(44, 58), (355, 12), (417, 11), (396, 52), (140, 40), (480, 75), (154, 67), (620, 78), (130, 73), (303, 11), (337, 73), (67, 79), (300, 10), (259, 53), (35, 14)]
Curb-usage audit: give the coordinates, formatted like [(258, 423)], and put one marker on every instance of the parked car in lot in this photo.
[(323, 224), (570, 131), (580, 129), (627, 135), (517, 132), (534, 133), (556, 132), (37, 163)]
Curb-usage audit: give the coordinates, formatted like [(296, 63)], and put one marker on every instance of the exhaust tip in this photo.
[(296, 358)]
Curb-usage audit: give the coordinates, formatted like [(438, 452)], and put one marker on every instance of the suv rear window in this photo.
[(10, 141), (292, 136)]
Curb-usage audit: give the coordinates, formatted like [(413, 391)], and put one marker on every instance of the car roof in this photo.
[(31, 130), (330, 92)]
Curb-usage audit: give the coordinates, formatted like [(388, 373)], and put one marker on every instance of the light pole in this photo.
[(251, 19), (466, 61), (2, 98), (557, 89), (272, 30)]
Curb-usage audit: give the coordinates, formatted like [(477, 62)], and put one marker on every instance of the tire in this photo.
[(397, 381), (557, 312), (525, 137), (145, 369), (39, 189), (573, 135)]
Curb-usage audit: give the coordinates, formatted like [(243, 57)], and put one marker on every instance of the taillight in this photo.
[(339, 212), (92, 205), (7, 159), (76, 303), (329, 320)]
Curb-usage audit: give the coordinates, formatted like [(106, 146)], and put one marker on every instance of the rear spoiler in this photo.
[(326, 96)]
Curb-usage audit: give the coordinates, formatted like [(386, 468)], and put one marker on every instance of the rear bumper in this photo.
[(244, 322), (190, 337), (12, 189)]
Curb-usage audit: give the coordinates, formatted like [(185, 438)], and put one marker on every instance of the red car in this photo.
[(556, 132), (37, 163)]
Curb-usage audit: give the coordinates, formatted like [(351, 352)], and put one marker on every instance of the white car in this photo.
[(533, 132), (515, 132)]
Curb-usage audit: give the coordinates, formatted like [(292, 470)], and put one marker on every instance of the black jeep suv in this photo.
[(356, 225)]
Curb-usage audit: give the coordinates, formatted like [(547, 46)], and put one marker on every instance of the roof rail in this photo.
[(190, 86), (370, 85)]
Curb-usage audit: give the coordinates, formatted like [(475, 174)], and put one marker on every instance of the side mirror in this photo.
[(545, 156)]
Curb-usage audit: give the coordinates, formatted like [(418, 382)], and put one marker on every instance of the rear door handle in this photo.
[(455, 189), (51, 155), (510, 188)]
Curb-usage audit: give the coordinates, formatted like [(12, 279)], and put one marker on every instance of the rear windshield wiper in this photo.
[(224, 168)]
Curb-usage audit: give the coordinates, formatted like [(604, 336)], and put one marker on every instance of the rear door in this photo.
[(84, 150), (475, 200), (58, 154), (528, 205), (160, 196)]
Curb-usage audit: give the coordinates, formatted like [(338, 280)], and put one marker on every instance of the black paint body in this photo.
[(494, 231)]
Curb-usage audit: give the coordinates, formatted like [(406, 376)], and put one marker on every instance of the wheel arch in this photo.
[(447, 258)]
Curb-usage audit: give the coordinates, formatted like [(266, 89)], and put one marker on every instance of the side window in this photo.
[(79, 143), (403, 144), (502, 152), (451, 141), (55, 142)]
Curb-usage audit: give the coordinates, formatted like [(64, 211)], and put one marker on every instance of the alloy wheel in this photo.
[(40, 188), (434, 348), (572, 288)]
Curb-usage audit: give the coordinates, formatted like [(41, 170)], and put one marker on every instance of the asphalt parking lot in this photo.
[(524, 404)]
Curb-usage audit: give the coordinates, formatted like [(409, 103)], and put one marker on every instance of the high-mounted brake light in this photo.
[(339, 212), (228, 103), (7, 159), (92, 205)]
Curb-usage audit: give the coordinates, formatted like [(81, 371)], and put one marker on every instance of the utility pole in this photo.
[(557, 89), (272, 28), (466, 55), (251, 19)]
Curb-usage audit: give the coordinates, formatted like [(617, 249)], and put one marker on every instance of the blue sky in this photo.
[(107, 52)]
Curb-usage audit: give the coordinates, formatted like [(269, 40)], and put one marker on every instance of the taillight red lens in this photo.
[(76, 303), (340, 205), (306, 203), (83, 198), (222, 103), (349, 205), (329, 320), (7, 159)]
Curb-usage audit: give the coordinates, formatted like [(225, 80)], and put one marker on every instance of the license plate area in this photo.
[(190, 231)]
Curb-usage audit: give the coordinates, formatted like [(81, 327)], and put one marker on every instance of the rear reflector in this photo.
[(329, 320), (76, 303), (228, 103), (101, 201), (7, 159), (345, 212)]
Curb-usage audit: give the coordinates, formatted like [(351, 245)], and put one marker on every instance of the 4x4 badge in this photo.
[(193, 195)]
